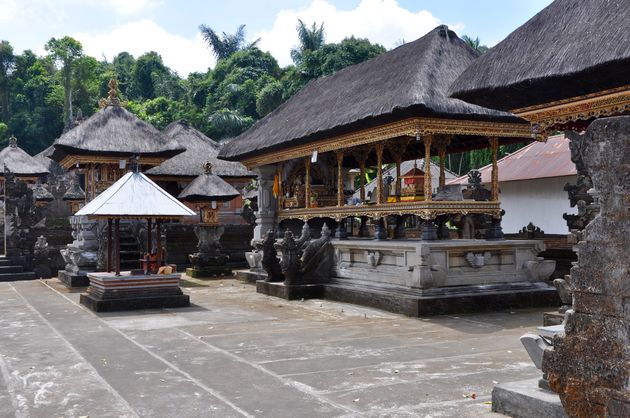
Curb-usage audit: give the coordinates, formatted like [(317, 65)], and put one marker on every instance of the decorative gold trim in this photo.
[(69, 161), (407, 127), (546, 116), (426, 210)]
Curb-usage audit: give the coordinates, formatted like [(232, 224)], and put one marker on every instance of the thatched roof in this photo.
[(206, 187), (75, 192), (19, 162), (199, 150), (41, 193), (571, 48), (411, 80), (114, 130), (135, 196), (44, 158)]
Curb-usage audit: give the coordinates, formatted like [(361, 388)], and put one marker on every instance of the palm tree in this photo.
[(311, 39), (475, 44), (227, 44)]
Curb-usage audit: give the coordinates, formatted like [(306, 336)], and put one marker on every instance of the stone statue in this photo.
[(475, 190), (208, 261), (270, 261), (305, 237), (290, 263), (41, 259), (313, 265), (564, 291)]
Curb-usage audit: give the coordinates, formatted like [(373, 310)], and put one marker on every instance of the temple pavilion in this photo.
[(568, 68), (20, 163), (176, 173), (384, 111), (100, 148)]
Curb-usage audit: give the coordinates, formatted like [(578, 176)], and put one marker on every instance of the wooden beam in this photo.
[(428, 186), (494, 146), (339, 177), (379, 171)]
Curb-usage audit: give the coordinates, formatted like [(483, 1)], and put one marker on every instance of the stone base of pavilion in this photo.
[(421, 278), (524, 399), (72, 280), (108, 292)]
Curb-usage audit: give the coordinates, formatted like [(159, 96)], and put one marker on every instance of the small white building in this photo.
[(531, 182)]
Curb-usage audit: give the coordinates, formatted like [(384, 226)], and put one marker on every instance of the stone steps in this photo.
[(10, 272)]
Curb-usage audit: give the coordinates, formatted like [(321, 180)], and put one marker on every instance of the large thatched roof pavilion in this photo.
[(391, 108), (564, 67), (102, 145)]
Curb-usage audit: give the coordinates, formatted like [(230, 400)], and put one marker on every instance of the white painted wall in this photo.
[(541, 201)]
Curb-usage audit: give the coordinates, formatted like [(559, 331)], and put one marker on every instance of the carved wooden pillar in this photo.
[(494, 145), (109, 245), (307, 182), (398, 179), (339, 177), (379, 172), (280, 191), (397, 150), (117, 226), (361, 154), (428, 187)]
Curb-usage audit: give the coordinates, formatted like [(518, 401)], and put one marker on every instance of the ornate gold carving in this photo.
[(307, 182), (339, 177), (549, 115), (71, 160), (426, 210), (407, 127)]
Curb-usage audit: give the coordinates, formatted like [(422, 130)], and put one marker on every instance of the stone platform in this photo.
[(108, 292), (421, 278), (73, 280), (524, 399)]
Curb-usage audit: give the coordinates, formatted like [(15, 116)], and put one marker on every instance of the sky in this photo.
[(170, 27)]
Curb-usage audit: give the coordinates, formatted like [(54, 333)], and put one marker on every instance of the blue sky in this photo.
[(106, 27)]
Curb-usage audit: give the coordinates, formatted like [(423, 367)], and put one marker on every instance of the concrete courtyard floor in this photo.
[(238, 353)]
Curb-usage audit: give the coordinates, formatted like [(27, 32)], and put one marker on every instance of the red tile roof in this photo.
[(536, 160)]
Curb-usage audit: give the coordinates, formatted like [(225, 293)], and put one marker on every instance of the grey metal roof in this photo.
[(135, 196)]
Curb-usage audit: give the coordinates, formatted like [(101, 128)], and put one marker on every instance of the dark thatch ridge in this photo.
[(41, 193), (20, 163), (208, 187), (114, 131), (411, 80), (53, 166), (571, 48), (75, 192), (199, 150)]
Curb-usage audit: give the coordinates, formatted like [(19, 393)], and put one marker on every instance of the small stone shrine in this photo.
[(206, 192)]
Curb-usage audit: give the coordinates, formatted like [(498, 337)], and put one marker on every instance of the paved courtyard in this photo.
[(237, 353)]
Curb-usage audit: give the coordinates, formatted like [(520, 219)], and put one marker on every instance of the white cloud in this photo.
[(128, 7), (182, 54), (8, 10), (381, 21)]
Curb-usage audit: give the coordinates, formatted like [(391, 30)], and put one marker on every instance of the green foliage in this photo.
[(226, 45), (310, 40), (475, 44)]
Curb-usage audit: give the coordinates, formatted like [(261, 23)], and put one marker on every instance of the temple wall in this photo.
[(540, 201)]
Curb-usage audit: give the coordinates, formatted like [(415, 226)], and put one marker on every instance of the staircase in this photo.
[(10, 272), (130, 254)]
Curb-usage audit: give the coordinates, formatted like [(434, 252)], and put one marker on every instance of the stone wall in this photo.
[(589, 365)]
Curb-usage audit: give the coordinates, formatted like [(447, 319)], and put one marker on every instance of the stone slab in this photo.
[(248, 276), (135, 303), (464, 300), (209, 273), (552, 318), (72, 280), (296, 292), (524, 399)]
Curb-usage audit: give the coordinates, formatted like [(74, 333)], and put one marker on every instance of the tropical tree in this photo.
[(227, 44), (228, 123), (475, 44), (65, 52), (7, 65), (311, 39)]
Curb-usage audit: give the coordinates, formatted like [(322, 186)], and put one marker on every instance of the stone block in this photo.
[(524, 399)]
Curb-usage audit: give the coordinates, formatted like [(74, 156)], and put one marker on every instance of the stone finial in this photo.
[(207, 167), (13, 141), (112, 95), (134, 164)]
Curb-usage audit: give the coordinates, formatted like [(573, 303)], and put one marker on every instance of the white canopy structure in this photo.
[(135, 196)]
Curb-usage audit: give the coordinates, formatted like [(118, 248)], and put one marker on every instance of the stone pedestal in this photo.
[(524, 399), (208, 262), (588, 366), (81, 255), (267, 204), (108, 292)]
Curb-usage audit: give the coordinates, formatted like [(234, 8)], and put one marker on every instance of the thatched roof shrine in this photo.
[(571, 48), (19, 162), (199, 149), (114, 131), (208, 186), (409, 81)]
